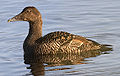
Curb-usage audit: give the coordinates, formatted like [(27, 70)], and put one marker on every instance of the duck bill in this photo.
[(16, 18), (12, 19)]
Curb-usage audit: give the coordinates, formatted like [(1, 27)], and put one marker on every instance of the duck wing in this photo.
[(63, 42)]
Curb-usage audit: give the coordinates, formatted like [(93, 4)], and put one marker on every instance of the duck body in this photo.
[(54, 42), (60, 42)]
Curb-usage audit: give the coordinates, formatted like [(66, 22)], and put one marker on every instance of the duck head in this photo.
[(30, 14)]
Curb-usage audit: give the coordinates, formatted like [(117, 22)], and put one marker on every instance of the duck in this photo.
[(54, 42)]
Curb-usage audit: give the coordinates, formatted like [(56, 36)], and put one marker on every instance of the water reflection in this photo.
[(37, 63)]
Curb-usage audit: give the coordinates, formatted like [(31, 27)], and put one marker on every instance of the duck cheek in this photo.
[(25, 19)]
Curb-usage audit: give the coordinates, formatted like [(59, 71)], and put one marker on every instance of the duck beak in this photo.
[(16, 18), (12, 20)]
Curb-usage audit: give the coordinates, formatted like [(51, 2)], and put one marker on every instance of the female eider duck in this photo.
[(54, 42)]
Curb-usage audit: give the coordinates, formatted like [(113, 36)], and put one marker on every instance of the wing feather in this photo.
[(63, 42)]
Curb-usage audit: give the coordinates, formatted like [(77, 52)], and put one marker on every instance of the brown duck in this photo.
[(54, 42)]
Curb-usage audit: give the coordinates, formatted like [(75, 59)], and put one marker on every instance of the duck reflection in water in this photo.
[(38, 63), (54, 49)]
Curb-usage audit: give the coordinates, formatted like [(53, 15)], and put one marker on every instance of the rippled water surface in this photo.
[(98, 20)]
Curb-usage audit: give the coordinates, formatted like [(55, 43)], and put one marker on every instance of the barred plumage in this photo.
[(54, 42)]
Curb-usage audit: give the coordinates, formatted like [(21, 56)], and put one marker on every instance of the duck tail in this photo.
[(106, 47)]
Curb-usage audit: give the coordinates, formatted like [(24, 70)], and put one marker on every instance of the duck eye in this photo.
[(28, 11)]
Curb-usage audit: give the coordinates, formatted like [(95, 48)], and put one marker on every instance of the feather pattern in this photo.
[(52, 43), (64, 42)]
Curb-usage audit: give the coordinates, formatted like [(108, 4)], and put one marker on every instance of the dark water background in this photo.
[(98, 20)]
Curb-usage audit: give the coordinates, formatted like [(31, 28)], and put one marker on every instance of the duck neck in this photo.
[(35, 31)]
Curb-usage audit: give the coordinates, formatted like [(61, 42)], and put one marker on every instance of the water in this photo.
[(98, 20)]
